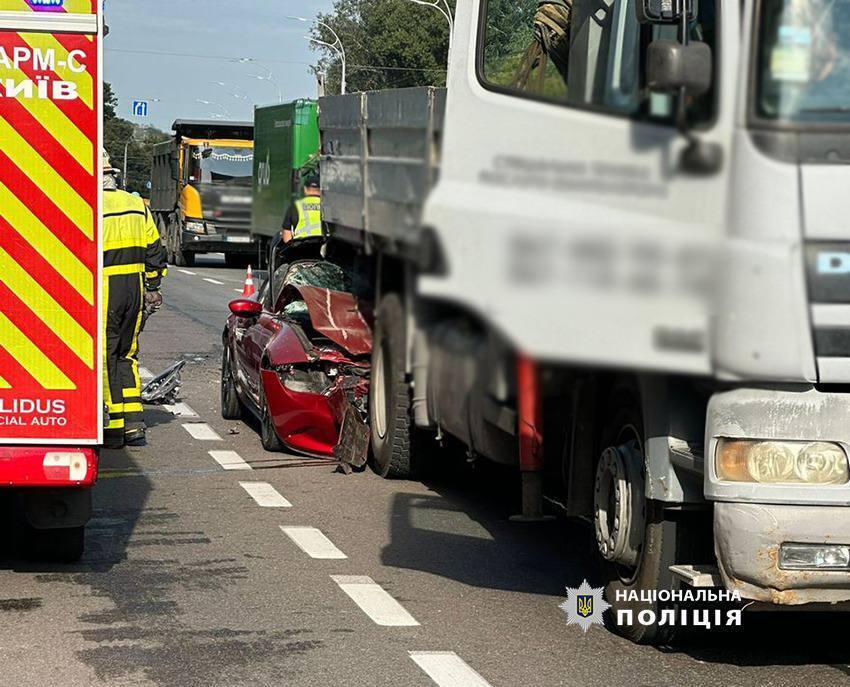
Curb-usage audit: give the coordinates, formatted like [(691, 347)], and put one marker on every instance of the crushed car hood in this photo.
[(335, 315)]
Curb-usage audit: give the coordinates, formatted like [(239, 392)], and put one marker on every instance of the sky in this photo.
[(170, 52)]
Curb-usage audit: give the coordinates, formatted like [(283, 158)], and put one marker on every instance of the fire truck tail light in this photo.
[(65, 465)]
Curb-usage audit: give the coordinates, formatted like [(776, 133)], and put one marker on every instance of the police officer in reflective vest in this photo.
[(304, 217), (133, 267)]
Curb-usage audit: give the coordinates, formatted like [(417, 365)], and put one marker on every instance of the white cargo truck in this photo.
[(615, 253)]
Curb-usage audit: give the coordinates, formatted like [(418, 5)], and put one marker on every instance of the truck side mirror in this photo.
[(672, 67)]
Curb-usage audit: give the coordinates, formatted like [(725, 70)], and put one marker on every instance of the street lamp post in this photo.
[(336, 46), (268, 77), (215, 104), (442, 6), (239, 96)]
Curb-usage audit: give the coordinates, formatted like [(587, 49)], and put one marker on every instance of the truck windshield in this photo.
[(804, 61), (233, 165)]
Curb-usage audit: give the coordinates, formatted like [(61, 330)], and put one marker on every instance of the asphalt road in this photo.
[(189, 579)]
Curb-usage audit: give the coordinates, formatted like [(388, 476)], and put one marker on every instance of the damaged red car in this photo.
[(296, 356)]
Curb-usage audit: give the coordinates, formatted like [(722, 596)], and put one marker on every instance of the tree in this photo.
[(388, 44), (139, 142)]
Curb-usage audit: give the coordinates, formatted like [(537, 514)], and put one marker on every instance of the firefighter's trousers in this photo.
[(123, 299)]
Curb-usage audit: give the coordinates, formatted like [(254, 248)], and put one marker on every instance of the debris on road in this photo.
[(164, 388)]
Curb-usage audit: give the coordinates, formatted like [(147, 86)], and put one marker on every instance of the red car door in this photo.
[(254, 343)]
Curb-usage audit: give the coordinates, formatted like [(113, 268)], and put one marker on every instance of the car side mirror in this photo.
[(246, 308), (672, 67)]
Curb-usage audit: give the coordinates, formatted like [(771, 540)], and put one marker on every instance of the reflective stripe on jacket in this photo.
[(309, 217), (131, 242)]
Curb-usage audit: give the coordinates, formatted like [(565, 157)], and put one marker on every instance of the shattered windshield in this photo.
[(804, 61), (325, 275)]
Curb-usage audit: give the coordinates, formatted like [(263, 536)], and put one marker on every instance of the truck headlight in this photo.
[(781, 462), (196, 227)]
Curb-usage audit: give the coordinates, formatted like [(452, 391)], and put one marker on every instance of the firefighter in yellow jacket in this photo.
[(133, 267)]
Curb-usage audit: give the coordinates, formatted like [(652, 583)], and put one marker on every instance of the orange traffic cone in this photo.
[(248, 289)]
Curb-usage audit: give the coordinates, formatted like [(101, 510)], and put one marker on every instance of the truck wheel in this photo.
[(636, 539), (165, 239), (390, 418), (182, 258), (58, 545), (231, 406)]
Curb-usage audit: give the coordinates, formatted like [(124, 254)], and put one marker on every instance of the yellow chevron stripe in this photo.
[(70, 6), (78, 145), (4, 384), (50, 181), (45, 243), (47, 309), (31, 358), (46, 41)]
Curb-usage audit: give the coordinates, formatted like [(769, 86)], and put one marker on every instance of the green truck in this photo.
[(286, 146)]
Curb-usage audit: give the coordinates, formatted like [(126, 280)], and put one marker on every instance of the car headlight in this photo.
[(196, 227), (781, 462)]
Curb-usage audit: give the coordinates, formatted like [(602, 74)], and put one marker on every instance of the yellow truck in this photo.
[(201, 191)]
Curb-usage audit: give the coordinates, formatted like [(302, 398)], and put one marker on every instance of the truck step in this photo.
[(697, 575)]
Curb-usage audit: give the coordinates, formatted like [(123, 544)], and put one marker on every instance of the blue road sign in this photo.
[(140, 108)]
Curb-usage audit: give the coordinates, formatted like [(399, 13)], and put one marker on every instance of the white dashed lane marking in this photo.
[(202, 431), (312, 542), (374, 601), (145, 373), (188, 272), (181, 410), (238, 290), (447, 669), (214, 281), (229, 460), (265, 495)]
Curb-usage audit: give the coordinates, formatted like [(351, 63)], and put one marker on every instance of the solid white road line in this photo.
[(145, 373), (229, 460), (188, 272), (181, 410), (312, 542), (265, 495), (238, 290), (374, 601), (214, 281), (201, 431), (447, 669)]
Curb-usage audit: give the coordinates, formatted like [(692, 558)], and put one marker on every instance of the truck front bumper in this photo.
[(748, 537), (217, 243), (753, 521)]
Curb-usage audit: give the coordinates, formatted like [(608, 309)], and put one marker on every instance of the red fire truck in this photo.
[(51, 408)]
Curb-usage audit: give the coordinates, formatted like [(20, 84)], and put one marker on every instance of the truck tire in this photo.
[(390, 416), (664, 537), (64, 545), (182, 258), (231, 406)]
